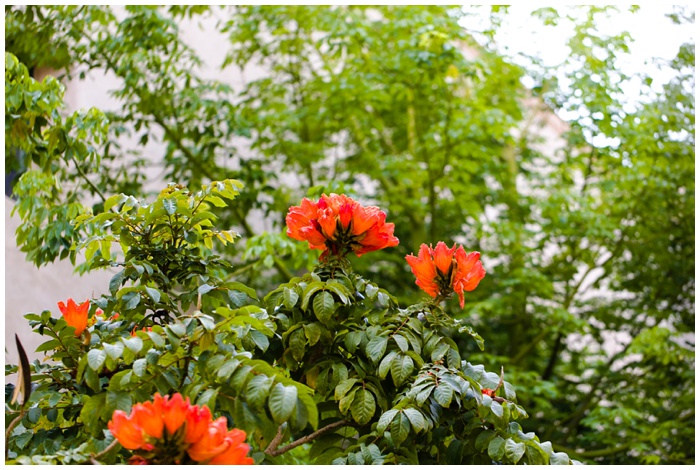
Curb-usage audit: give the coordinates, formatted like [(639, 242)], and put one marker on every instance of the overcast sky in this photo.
[(653, 34)]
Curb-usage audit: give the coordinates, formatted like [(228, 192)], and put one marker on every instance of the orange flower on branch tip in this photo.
[(75, 315), (442, 270), (172, 431), (338, 225)]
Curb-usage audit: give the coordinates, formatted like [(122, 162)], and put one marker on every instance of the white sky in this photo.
[(653, 35)]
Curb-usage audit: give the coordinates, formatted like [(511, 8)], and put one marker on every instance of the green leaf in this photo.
[(400, 428), (140, 366), (363, 407), (385, 420), (116, 282), (484, 439), (514, 450), (497, 448), (170, 205), (257, 390), (343, 387), (134, 300), (260, 340), (385, 365), (134, 344), (282, 402), (308, 292), (497, 409), (416, 418), (290, 297), (297, 344), (439, 352), (178, 329), (401, 369), (347, 401), (535, 456), (154, 294), (91, 412), (228, 368), (112, 201), (205, 288), (114, 350), (375, 348), (443, 395), (157, 339), (237, 298), (118, 401), (559, 458), (401, 342), (324, 306), (312, 332), (423, 395), (95, 358)]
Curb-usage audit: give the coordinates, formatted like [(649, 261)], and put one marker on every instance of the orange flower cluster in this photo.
[(172, 431), (338, 224), (443, 270), (75, 315)]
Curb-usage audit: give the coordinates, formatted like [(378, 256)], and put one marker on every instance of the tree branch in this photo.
[(303, 440), (593, 453), (87, 180), (276, 441)]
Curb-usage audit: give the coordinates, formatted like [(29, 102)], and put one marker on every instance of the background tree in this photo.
[(590, 250)]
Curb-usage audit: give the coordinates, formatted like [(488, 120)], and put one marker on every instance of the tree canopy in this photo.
[(587, 239)]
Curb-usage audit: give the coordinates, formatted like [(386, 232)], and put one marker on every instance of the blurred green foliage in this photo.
[(588, 239)]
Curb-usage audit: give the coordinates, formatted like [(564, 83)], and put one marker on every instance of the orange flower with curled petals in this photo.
[(338, 225), (236, 452), (75, 315), (442, 271), (219, 446), (175, 413), (169, 430), (198, 421), (127, 431)]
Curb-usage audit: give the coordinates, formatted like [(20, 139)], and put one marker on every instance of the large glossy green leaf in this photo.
[(375, 348), (324, 306), (282, 402), (363, 406)]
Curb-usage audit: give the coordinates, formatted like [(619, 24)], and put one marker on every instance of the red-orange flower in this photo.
[(75, 315), (338, 224), (219, 446), (171, 430), (443, 270)]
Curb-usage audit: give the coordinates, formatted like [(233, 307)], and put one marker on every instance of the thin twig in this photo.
[(87, 180), (94, 457), (305, 439)]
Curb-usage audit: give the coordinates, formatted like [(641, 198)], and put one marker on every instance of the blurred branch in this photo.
[(593, 453)]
